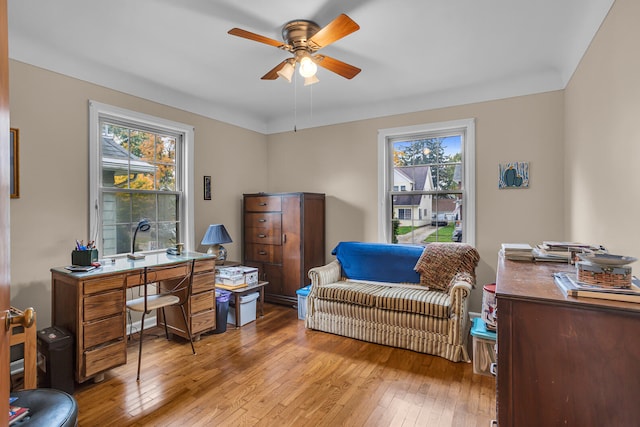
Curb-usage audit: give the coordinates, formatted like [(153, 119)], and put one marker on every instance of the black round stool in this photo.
[(47, 407)]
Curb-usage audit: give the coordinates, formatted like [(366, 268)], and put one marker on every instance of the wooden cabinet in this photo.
[(92, 309), (563, 360), (201, 307), (283, 237)]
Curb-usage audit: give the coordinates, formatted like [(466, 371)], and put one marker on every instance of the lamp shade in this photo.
[(216, 234), (286, 72)]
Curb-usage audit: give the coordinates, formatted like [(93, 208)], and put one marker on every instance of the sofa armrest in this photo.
[(325, 274), (459, 293)]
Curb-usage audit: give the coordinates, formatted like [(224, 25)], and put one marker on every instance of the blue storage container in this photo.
[(484, 341), (302, 301)]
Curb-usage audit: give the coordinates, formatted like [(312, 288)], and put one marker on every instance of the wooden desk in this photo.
[(563, 360), (91, 306), (237, 293)]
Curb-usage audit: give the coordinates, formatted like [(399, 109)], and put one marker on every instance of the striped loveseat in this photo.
[(408, 296)]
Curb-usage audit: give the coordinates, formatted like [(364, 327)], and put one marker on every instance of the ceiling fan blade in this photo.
[(342, 68), (335, 30), (258, 38), (273, 74)]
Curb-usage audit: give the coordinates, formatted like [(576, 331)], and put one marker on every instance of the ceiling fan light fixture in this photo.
[(308, 68), (286, 72), (311, 80)]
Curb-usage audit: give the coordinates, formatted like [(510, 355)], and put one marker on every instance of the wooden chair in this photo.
[(174, 292)]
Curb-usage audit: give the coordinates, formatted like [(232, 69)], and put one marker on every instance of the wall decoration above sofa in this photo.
[(513, 175)]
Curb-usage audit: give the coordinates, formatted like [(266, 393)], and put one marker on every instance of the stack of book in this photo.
[(560, 251), (517, 251), (542, 254), (16, 413), (570, 286)]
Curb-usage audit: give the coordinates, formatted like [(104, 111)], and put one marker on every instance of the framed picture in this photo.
[(513, 175), (207, 187), (14, 143)]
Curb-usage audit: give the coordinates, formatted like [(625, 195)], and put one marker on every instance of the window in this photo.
[(404, 213), (139, 169), (436, 163)]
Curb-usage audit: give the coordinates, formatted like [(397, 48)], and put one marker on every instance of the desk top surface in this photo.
[(124, 264)]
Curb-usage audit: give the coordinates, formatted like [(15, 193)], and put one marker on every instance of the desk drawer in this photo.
[(202, 302), (103, 284), (203, 321), (158, 275), (203, 282), (103, 305), (263, 253), (263, 203), (103, 358), (204, 265), (103, 331)]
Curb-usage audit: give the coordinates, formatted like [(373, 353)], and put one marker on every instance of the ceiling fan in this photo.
[(303, 38)]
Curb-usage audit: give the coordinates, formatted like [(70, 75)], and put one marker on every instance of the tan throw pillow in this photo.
[(440, 262)]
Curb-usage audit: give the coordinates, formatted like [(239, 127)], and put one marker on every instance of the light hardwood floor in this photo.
[(274, 372)]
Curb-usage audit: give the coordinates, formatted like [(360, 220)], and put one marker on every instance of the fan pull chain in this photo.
[(295, 102), (311, 105)]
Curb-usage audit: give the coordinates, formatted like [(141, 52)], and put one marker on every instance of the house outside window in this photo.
[(404, 214), (139, 170), (436, 162)]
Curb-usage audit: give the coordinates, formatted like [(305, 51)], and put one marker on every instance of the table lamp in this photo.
[(214, 237), (143, 226)]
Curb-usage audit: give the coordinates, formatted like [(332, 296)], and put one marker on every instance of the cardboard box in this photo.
[(250, 275)]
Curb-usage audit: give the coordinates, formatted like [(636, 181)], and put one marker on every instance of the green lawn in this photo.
[(443, 234), (404, 229)]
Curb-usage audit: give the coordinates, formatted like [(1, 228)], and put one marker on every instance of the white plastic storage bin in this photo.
[(484, 342), (302, 301), (247, 309)]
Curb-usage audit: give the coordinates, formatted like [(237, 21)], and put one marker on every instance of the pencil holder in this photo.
[(84, 257)]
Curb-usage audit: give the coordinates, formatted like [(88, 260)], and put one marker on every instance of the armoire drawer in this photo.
[(263, 253), (264, 236), (263, 204)]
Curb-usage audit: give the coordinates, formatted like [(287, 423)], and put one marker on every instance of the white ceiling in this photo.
[(414, 54)]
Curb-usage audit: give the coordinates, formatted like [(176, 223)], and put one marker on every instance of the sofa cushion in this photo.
[(350, 292), (418, 301), (412, 299), (440, 262), (382, 262)]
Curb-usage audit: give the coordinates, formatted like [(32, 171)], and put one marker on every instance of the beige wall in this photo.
[(342, 161), (603, 137), (582, 145), (51, 111)]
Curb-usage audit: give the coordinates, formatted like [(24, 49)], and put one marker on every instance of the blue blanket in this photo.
[(379, 262)]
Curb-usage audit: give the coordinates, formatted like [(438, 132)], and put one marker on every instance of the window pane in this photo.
[(122, 206), (168, 207), (143, 206), (167, 234), (115, 156)]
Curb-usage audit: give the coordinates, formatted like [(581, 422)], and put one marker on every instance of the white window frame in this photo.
[(98, 111), (385, 173)]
